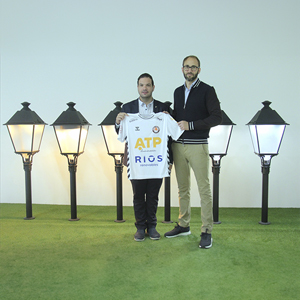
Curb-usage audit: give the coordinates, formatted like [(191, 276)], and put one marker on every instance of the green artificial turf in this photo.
[(96, 258)]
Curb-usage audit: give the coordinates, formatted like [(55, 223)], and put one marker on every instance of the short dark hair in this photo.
[(145, 75), (191, 56)]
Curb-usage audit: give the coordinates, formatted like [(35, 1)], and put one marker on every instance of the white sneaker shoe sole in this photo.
[(179, 234)]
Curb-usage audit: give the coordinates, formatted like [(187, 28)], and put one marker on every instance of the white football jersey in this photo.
[(147, 138)]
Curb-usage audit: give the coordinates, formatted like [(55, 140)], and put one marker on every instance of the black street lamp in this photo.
[(266, 130), (71, 130), (115, 149), (26, 130), (167, 181), (219, 138)]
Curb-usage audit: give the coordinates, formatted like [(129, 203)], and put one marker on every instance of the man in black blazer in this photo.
[(145, 191)]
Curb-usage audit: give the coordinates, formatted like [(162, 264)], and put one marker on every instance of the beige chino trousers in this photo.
[(187, 156)]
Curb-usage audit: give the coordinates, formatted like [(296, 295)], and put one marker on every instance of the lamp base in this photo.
[(217, 222), (167, 221), (74, 219), (120, 221), (30, 218), (264, 223)]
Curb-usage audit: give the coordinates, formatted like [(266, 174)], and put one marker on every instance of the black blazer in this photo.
[(132, 107)]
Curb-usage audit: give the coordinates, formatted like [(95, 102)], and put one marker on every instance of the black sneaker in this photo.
[(206, 240), (178, 231), (153, 234), (139, 235)]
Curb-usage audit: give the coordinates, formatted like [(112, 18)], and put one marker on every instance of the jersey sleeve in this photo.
[(173, 129), (122, 130)]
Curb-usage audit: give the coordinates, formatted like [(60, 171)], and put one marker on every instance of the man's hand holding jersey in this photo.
[(120, 117)]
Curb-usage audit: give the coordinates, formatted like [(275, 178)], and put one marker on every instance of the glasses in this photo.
[(193, 68)]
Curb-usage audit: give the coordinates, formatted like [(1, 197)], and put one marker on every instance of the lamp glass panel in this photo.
[(26, 138), (68, 137), (38, 134), (114, 146), (219, 139), (83, 136), (254, 138), (266, 139)]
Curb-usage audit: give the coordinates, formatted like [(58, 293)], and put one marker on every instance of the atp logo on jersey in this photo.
[(147, 142), (156, 129)]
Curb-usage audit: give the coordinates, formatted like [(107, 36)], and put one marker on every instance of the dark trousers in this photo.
[(145, 202)]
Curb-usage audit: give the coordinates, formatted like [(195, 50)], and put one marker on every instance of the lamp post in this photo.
[(167, 181), (115, 149), (266, 130), (71, 130), (26, 130), (218, 145)]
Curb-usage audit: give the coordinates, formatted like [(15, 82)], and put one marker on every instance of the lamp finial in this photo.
[(71, 105), (266, 103), (26, 105)]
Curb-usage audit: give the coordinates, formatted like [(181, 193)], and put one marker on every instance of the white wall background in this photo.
[(91, 52)]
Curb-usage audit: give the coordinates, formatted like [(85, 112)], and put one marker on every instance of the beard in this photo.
[(190, 78)]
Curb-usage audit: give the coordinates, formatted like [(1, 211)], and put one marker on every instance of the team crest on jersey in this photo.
[(156, 129)]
